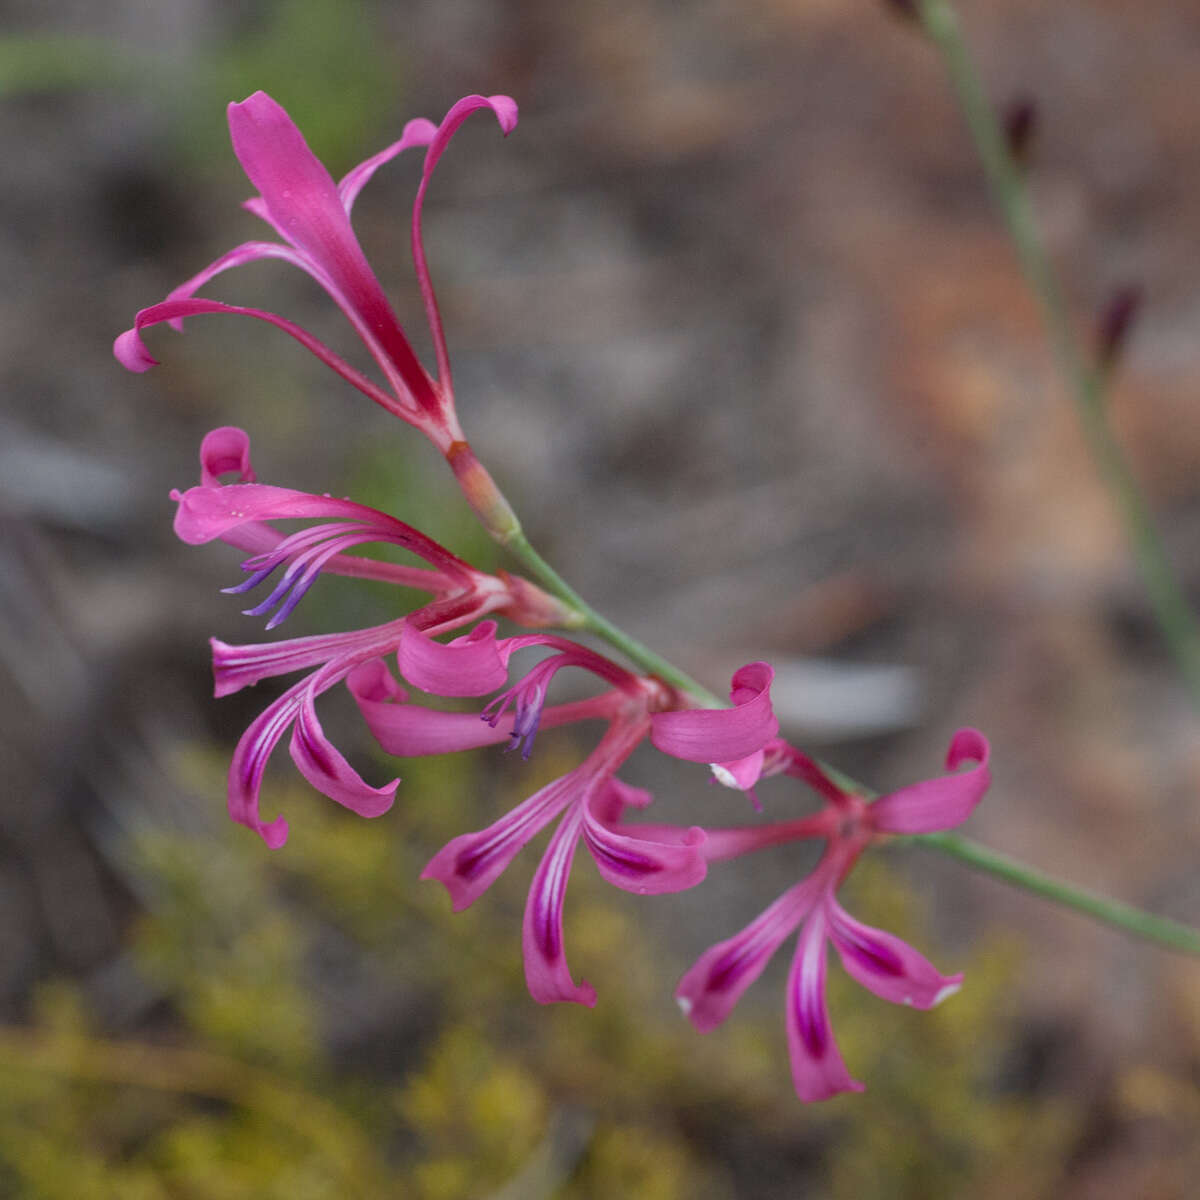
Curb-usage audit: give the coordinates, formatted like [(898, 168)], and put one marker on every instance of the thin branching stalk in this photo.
[(1085, 380)]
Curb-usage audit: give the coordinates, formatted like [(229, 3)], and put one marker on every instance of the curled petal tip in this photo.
[(741, 774), (274, 834), (942, 803), (223, 450), (967, 744), (472, 665), (130, 351), (722, 734), (505, 108)]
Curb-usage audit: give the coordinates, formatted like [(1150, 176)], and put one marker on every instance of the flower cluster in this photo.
[(881, 962), (590, 804)]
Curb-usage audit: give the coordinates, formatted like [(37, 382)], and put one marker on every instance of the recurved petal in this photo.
[(818, 1071), (239, 666), (207, 513), (469, 864), (885, 965), (323, 765), (646, 867), (224, 450), (472, 665), (408, 730), (247, 252), (546, 971), (418, 132), (716, 981), (739, 773), (131, 352), (721, 734), (614, 797), (250, 760), (505, 111), (941, 803)]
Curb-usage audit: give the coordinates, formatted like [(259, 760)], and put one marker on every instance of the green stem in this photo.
[(637, 652), (1085, 381), (1125, 917)]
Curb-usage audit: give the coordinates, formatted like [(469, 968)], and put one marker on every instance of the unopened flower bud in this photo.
[(1020, 122), (1114, 323)]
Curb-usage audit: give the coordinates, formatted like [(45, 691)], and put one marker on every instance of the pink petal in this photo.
[(409, 730), (250, 760), (646, 867), (716, 981), (247, 252), (131, 352), (546, 971), (734, 842), (418, 132), (614, 797), (303, 204), (328, 771), (817, 1067), (223, 450), (885, 965), (208, 513), (469, 864), (505, 111), (942, 803), (720, 734), (236, 667), (739, 773), (468, 666)]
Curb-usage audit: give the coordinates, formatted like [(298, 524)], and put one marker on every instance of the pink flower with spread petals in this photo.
[(587, 802), (879, 961), (240, 513), (299, 200)]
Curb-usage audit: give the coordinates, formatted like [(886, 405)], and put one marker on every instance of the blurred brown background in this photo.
[(734, 324)]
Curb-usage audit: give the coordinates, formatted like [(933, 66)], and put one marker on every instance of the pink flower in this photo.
[(311, 214), (238, 513), (587, 802), (879, 961)]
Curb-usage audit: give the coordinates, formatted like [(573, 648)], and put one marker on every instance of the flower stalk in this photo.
[(1172, 935), (1085, 380)]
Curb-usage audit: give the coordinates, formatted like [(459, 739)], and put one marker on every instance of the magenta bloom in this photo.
[(311, 214), (881, 962), (587, 802), (238, 513)]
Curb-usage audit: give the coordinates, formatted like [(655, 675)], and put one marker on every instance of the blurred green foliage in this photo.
[(324, 60), (472, 1090)]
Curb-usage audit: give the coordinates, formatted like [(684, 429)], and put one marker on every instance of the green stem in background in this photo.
[(1124, 917), (1085, 380)]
